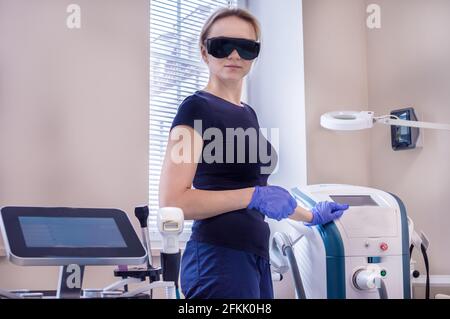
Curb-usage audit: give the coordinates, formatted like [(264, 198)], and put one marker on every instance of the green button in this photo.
[(383, 273)]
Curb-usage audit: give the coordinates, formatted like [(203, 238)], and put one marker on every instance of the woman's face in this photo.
[(233, 67)]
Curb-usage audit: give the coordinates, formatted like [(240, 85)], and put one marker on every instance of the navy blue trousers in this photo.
[(216, 272)]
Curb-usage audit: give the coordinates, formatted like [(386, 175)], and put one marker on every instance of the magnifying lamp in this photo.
[(354, 120)]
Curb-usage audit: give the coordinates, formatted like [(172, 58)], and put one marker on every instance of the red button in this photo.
[(384, 246)]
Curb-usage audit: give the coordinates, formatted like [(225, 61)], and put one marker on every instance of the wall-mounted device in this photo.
[(404, 137)]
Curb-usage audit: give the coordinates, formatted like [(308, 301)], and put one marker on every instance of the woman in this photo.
[(227, 255)]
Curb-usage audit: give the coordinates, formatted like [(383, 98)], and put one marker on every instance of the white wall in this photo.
[(276, 91), (276, 85)]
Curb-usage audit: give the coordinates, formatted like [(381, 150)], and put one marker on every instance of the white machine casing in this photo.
[(366, 233)]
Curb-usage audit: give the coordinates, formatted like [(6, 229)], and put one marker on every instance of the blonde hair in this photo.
[(229, 12)]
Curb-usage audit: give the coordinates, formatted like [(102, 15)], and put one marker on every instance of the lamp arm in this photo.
[(390, 121)]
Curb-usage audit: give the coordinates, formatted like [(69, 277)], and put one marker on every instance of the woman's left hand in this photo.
[(325, 212)]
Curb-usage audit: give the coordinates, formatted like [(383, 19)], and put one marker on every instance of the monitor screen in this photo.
[(403, 135), (71, 232), (354, 200)]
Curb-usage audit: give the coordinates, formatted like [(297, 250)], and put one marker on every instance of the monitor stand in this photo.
[(70, 281)]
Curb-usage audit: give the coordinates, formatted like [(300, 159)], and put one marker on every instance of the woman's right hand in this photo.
[(273, 201)]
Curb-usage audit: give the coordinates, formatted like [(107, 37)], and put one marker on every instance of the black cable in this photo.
[(427, 267)]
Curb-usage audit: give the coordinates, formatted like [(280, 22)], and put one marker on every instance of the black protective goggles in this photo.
[(221, 47)]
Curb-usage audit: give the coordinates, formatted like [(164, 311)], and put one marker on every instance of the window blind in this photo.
[(176, 71)]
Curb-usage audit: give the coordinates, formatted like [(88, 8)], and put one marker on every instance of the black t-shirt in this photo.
[(235, 155)]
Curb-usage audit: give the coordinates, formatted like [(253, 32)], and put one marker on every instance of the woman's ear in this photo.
[(204, 54)]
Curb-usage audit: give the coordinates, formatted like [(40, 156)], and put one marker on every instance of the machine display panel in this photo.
[(64, 235), (74, 232), (354, 200)]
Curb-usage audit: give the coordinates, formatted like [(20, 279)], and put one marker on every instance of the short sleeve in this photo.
[(253, 112), (192, 112)]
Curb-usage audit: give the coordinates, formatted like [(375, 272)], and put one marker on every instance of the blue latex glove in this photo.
[(273, 201), (325, 212)]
